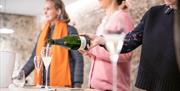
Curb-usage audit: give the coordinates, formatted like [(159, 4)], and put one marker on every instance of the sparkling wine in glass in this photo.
[(38, 66), (114, 43), (46, 54)]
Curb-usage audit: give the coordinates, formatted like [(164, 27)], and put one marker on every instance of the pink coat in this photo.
[(101, 68)]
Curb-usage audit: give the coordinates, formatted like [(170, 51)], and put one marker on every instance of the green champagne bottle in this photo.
[(73, 42)]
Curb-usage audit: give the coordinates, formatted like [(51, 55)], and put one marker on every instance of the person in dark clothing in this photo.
[(66, 68), (158, 69)]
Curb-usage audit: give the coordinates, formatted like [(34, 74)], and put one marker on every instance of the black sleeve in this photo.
[(78, 66), (72, 30), (78, 62), (134, 39), (29, 66)]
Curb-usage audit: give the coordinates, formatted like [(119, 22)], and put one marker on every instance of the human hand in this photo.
[(95, 40), (84, 52), (19, 79)]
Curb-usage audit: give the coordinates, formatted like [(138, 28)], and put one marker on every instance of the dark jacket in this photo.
[(158, 70), (75, 60)]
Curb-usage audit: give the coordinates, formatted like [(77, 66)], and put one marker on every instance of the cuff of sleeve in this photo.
[(77, 85)]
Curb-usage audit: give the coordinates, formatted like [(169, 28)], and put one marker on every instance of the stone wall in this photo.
[(22, 41), (84, 13)]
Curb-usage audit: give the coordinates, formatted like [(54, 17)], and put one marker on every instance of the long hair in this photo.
[(60, 5)]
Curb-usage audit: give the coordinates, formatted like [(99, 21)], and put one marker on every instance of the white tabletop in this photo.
[(43, 89)]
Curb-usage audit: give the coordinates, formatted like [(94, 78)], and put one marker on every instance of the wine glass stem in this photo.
[(46, 78), (37, 84), (114, 76), (114, 58)]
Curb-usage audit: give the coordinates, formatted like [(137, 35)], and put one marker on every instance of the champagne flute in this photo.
[(46, 54), (114, 43), (37, 65)]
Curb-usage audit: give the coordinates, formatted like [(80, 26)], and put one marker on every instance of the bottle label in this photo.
[(83, 43)]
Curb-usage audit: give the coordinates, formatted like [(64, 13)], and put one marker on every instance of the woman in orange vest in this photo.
[(66, 68)]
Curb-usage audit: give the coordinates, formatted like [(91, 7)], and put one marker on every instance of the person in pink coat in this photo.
[(100, 77)]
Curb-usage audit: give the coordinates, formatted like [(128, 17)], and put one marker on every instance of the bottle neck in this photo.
[(83, 43)]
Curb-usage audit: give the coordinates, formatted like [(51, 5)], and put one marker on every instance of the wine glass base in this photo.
[(38, 86), (47, 87)]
